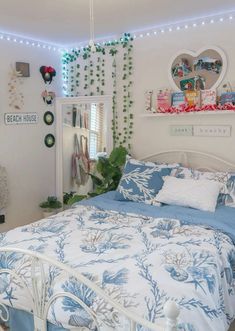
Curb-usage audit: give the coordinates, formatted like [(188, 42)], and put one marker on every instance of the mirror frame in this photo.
[(60, 102)]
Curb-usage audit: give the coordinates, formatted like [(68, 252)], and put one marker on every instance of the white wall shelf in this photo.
[(199, 113)]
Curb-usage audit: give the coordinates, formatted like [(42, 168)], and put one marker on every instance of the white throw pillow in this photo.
[(199, 194)]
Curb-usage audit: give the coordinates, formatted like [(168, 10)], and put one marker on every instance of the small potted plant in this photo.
[(50, 207), (70, 198)]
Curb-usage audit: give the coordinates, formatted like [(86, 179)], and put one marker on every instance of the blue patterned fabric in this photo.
[(228, 199), (23, 321), (139, 260), (141, 182), (222, 219)]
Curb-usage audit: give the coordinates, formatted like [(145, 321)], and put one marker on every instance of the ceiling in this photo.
[(67, 21)]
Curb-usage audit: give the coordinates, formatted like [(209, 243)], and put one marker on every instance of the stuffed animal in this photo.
[(47, 74)]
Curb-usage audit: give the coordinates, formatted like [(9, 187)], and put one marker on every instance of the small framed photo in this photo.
[(23, 68)]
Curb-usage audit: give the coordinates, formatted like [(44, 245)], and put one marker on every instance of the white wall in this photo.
[(30, 165), (151, 61)]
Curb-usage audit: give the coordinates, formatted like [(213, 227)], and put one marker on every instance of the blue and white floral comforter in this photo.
[(140, 261)]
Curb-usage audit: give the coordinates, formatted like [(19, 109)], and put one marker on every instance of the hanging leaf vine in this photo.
[(94, 77)]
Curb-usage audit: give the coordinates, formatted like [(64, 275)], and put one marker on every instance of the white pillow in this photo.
[(199, 194)]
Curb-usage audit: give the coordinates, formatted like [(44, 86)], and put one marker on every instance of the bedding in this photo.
[(200, 194), (227, 195), (141, 181), (140, 254)]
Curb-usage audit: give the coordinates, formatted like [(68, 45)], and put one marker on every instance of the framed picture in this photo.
[(23, 68), (200, 70)]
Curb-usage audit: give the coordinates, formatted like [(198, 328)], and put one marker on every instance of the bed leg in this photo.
[(171, 311)]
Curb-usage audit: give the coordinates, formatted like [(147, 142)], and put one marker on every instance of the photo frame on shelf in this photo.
[(197, 70)]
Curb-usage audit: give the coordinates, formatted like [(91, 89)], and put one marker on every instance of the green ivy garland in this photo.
[(94, 81)]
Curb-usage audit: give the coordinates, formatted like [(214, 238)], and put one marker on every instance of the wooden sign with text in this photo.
[(20, 118)]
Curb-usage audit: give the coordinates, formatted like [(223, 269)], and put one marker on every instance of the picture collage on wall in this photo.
[(48, 73), (197, 72), (194, 77)]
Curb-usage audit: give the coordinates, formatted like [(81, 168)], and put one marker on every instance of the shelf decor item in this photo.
[(178, 99), (48, 118), (148, 100), (163, 100), (208, 97), (227, 98), (192, 98), (49, 140)]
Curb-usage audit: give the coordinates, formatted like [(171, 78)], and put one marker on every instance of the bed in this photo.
[(117, 265)]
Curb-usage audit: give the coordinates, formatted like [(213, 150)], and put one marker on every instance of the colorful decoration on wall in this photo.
[(82, 65), (48, 118), (49, 140), (20, 118), (23, 68), (48, 97), (47, 74), (16, 96), (201, 70)]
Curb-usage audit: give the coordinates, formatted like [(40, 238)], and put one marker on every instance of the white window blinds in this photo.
[(96, 143)]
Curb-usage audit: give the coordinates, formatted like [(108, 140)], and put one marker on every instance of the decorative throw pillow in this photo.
[(187, 173), (228, 199), (140, 182), (195, 193)]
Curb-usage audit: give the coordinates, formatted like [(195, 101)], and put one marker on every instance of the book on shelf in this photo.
[(163, 100), (178, 99), (192, 98), (208, 97)]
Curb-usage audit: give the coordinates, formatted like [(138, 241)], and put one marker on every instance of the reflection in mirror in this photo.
[(83, 140)]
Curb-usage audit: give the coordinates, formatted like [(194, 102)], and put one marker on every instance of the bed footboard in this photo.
[(36, 284)]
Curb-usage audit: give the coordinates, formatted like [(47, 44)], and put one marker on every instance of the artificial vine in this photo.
[(94, 71)]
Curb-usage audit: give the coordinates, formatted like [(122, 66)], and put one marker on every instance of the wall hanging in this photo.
[(49, 140), (16, 96), (23, 68), (200, 70), (48, 118), (47, 74), (48, 97), (20, 118)]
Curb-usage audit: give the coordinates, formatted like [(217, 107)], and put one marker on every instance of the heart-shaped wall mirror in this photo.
[(201, 70)]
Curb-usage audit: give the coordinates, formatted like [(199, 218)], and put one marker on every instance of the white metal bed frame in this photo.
[(38, 280)]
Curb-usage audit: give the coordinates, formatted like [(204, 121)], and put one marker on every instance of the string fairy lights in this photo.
[(30, 42), (154, 31)]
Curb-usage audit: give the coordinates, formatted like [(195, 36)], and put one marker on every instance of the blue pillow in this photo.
[(140, 182)]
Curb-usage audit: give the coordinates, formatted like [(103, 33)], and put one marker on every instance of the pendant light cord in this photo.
[(92, 34)]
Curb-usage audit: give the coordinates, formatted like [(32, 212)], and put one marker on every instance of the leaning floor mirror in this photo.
[(82, 133)]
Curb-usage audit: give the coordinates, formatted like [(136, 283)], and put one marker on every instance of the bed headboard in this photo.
[(193, 159)]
